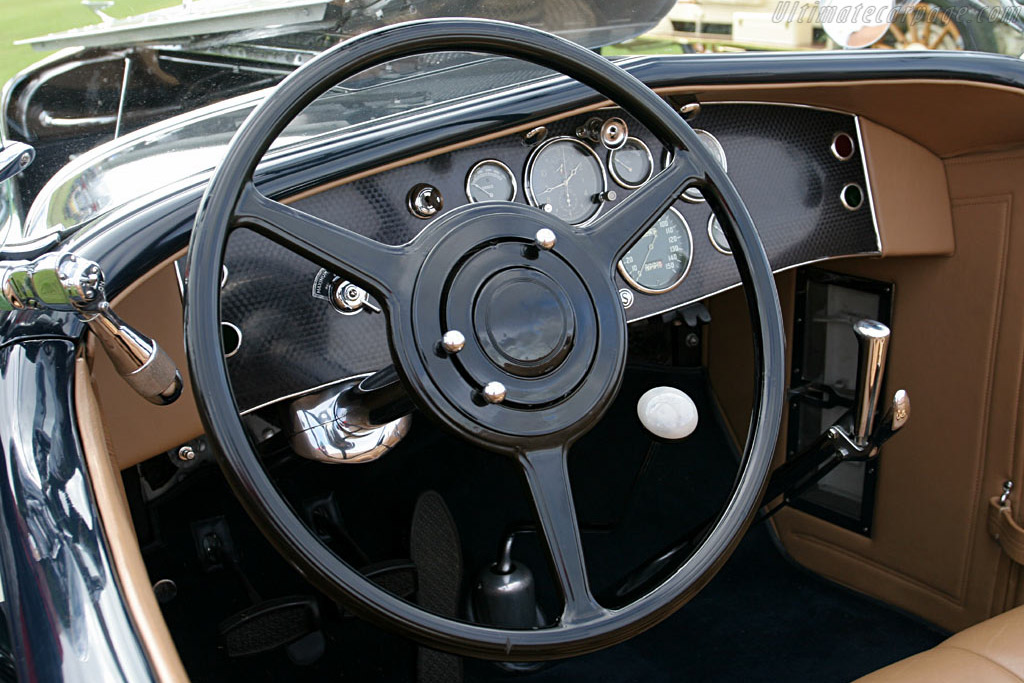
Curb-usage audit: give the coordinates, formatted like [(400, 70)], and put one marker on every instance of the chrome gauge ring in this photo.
[(566, 178)]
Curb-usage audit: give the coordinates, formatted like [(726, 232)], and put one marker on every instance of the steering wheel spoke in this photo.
[(626, 223), (380, 268), (547, 475)]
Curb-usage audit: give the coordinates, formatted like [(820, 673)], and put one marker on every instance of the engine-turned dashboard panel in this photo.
[(799, 170)]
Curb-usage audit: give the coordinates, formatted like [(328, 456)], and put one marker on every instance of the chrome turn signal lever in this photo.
[(65, 282)]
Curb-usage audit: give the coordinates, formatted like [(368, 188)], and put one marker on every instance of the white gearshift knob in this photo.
[(667, 413)]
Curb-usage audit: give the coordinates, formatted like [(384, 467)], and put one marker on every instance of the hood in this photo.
[(313, 25)]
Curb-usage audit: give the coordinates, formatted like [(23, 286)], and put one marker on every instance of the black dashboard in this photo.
[(800, 171)]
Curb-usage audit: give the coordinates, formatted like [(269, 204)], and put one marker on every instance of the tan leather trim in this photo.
[(1005, 530), (942, 665), (140, 429), (958, 348), (115, 518), (911, 198), (991, 651)]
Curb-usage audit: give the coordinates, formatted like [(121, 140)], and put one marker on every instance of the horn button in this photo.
[(524, 322), (529, 318)]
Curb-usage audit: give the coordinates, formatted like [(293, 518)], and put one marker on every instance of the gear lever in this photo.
[(873, 343)]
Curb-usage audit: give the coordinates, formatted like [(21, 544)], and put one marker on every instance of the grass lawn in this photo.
[(30, 18)]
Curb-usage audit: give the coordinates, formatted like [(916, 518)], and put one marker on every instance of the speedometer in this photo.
[(566, 177), (661, 258)]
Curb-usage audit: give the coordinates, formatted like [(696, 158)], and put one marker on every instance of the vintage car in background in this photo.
[(434, 340), (714, 25)]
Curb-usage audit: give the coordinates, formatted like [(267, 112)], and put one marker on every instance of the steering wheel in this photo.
[(558, 370)]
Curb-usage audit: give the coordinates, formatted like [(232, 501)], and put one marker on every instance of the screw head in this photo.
[(546, 238), (185, 453), (453, 341), (494, 392)]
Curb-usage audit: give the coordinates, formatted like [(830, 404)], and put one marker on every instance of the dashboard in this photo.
[(290, 325)]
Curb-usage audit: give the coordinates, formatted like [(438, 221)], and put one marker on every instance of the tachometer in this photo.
[(661, 258), (490, 180), (567, 176)]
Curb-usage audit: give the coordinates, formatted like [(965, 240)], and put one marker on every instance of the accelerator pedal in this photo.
[(437, 553)]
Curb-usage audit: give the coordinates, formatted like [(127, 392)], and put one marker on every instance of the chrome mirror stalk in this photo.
[(15, 157), (64, 282)]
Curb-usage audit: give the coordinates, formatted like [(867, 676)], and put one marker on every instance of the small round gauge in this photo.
[(490, 181), (718, 239), (632, 164), (566, 177), (661, 258), (715, 147)]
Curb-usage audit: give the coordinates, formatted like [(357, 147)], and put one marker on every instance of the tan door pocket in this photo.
[(1003, 528)]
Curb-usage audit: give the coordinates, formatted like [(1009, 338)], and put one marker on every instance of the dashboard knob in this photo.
[(667, 413)]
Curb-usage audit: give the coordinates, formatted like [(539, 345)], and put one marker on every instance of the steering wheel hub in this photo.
[(524, 322), (531, 317)]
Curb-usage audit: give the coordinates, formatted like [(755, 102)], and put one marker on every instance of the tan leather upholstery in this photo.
[(991, 652)]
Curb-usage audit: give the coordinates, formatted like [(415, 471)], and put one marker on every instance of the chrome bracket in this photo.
[(66, 283), (1004, 498), (847, 447), (334, 426)]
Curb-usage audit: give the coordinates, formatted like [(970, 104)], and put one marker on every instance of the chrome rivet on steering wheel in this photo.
[(494, 392), (453, 341), (546, 238)]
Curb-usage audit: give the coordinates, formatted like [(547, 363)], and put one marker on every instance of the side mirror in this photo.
[(854, 24), (15, 157)]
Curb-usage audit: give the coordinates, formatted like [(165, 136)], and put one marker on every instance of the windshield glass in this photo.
[(122, 98)]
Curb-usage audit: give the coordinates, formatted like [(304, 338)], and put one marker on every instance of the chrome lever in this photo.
[(873, 346), (64, 282)]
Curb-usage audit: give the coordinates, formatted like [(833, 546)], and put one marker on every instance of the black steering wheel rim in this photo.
[(224, 207)]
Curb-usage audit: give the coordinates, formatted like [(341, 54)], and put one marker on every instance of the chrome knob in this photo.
[(873, 345), (494, 392), (453, 341), (546, 238)]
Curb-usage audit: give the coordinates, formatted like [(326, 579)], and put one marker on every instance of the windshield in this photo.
[(122, 98)]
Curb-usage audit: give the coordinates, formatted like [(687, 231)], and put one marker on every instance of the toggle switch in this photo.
[(668, 413)]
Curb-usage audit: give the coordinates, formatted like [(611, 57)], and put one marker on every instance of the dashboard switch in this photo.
[(425, 201), (667, 413)]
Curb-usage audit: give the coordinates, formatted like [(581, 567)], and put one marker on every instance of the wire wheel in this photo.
[(922, 26)]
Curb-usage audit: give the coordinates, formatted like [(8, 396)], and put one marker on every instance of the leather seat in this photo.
[(991, 652)]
